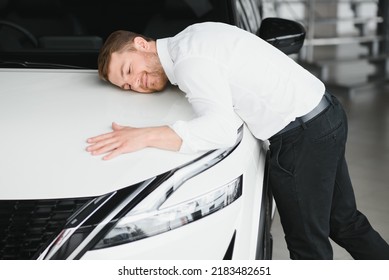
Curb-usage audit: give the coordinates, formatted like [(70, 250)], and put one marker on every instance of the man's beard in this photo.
[(156, 75)]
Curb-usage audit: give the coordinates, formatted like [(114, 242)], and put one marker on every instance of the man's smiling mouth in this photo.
[(144, 81)]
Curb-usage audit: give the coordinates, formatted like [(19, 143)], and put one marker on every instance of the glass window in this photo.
[(248, 14), (70, 32)]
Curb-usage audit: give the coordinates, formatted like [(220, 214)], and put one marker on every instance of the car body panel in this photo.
[(49, 123), (46, 117)]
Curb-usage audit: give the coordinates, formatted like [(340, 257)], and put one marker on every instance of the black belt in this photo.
[(323, 104)]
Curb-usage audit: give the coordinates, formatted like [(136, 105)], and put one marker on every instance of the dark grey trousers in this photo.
[(313, 192)]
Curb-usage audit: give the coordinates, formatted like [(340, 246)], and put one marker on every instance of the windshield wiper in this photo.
[(40, 65)]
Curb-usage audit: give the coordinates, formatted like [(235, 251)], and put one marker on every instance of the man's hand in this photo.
[(125, 139)]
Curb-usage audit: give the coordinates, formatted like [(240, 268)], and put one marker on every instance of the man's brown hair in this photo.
[(118, 41)]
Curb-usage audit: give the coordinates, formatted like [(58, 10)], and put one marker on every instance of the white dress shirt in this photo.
[(227, 72)]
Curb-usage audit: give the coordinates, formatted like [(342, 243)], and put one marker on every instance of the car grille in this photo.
[(27, 225)]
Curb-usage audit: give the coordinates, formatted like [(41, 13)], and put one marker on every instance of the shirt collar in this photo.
[(166, 61)]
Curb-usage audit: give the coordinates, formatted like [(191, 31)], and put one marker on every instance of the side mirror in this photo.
[(286, 35)]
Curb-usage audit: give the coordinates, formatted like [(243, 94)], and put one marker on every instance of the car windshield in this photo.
[(69, 33)]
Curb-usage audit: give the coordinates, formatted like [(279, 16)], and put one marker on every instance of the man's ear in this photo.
[(141, 44)]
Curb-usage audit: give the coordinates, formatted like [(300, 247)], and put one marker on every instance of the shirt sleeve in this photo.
[(206, 85)]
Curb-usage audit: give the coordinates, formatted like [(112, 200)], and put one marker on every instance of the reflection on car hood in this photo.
[(45, 119)]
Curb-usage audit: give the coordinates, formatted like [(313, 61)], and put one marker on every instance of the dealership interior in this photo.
[(347, 47)]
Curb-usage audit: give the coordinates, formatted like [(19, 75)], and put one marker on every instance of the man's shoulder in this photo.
[(207, 27), (210, 25)]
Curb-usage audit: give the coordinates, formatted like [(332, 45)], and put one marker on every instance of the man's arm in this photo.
[(125, 139), (207, 88)]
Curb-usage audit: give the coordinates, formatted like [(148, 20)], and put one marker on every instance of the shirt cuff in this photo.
[(181, 130)]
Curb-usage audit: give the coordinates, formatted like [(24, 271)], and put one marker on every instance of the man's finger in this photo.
[(107, 148), (113, 154), (100, 144), (100, 137), (116, 126)]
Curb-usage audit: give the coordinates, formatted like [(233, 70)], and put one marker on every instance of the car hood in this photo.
[(46, 117)]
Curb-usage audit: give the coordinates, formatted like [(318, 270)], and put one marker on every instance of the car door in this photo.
[(248, 14)]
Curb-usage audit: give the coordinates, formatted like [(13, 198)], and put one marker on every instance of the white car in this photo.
[(59, 202)]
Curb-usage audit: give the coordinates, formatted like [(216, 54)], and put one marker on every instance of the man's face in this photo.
[(139, 71)]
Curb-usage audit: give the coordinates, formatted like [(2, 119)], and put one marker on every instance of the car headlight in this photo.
[(133, 227), (137, 212)]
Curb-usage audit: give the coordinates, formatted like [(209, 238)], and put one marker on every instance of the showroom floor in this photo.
[(368, 160)]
